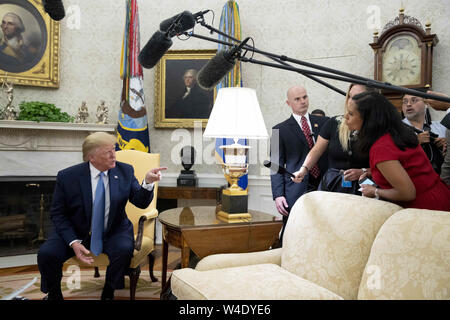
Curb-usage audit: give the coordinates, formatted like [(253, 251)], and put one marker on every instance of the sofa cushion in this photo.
[(328, 238), (410, 258), (231, 260), (255, 282)]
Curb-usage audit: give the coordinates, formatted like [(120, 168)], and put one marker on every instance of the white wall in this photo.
[(330, 33)]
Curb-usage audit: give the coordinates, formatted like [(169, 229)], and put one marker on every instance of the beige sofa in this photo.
[(336, 246)]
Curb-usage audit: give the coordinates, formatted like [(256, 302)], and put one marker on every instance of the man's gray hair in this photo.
[(191, 71), (95, 140), (17, 21)]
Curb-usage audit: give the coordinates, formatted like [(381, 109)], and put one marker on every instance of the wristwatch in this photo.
[(364, 170), (376, 194)]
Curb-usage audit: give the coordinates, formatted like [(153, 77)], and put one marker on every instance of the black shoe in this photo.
[(52, 297), (107, 293)]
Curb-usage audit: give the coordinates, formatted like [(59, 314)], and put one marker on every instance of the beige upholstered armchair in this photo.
[(143, 221)]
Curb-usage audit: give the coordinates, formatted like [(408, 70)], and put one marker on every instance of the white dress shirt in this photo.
[(298, 118), (436, 127), (188, 90)]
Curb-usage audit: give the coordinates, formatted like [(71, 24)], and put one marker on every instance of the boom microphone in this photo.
[(155, 48), (277, 168), (187, 21), (219, 65), (160, 42), (55, 9)]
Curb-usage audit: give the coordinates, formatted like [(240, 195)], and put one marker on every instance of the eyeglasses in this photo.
[(413, 100)]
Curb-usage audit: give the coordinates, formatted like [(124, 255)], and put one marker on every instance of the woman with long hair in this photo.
[(344, 163), (399, 166)]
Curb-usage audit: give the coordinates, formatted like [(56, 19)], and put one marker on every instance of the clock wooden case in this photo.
[(404, 55)]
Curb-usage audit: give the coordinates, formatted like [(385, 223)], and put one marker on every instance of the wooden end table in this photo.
[(200, 230)]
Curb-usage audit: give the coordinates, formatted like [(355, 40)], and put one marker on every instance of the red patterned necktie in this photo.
[(315, 172)]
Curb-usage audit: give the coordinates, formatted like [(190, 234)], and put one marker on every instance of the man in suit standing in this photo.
[(290, 143), (88, 213)]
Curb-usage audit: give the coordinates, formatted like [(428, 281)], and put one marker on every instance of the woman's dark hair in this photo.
[(381, 117)]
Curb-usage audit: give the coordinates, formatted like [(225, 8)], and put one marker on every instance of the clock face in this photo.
[(402, 61)]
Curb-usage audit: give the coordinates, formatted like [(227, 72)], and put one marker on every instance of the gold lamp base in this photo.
[(234, 205), (233, 217)]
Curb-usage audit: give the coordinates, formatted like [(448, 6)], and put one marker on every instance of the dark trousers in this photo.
[(54, 252), (313, 184)]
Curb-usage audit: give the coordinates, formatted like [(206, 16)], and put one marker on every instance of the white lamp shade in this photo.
[(236, 114)]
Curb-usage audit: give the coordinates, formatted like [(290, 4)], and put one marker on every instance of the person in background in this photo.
[(431, 134), (399, 167), (88, 214), (290, 142), (443, 106), (345, 165), (445, 169), (318, 112)]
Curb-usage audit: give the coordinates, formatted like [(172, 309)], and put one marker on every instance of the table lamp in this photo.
[(236, 115)]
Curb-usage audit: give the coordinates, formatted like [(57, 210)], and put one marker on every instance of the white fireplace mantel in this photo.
[(64, 126), (29, 148)]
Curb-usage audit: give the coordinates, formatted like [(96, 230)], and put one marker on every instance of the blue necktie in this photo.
[(98, 217)]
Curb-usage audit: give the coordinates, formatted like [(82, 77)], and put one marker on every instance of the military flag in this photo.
[(132, 128)]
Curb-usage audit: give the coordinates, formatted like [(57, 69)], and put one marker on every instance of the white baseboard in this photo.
[(18, 261)]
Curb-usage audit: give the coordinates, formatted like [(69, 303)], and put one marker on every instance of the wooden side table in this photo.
[(188, 193), (198, 229)]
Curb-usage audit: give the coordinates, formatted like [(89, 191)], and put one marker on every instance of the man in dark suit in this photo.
[(194, 103), (290, 143), (98, 188)]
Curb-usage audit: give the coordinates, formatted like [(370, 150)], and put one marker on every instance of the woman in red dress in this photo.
[(398, 164)]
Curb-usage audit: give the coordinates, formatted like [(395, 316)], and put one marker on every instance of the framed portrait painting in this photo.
[(29, 44), (179, 100)]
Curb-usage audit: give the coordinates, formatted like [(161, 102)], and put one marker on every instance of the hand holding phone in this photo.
[(367, 181)]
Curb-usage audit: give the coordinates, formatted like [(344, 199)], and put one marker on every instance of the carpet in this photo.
[(81, 285)]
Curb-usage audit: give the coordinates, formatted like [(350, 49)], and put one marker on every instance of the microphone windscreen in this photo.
[(186, 22), (155, 48), (212, 72), (55, 9)]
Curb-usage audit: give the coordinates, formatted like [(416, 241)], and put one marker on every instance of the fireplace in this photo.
[(24, 213), (31, 154)]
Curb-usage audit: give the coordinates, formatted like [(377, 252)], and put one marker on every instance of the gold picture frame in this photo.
[(175, 107), (33, 57)]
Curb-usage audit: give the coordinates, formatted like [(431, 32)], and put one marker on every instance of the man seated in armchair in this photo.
[(88, 213)]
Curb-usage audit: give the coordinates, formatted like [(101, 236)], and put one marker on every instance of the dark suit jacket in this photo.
[(71, 210), (290, 153)]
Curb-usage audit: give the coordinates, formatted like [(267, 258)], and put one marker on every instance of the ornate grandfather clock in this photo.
[(404, 55)]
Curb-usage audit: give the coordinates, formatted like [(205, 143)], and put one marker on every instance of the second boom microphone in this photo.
[(219, 65)]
